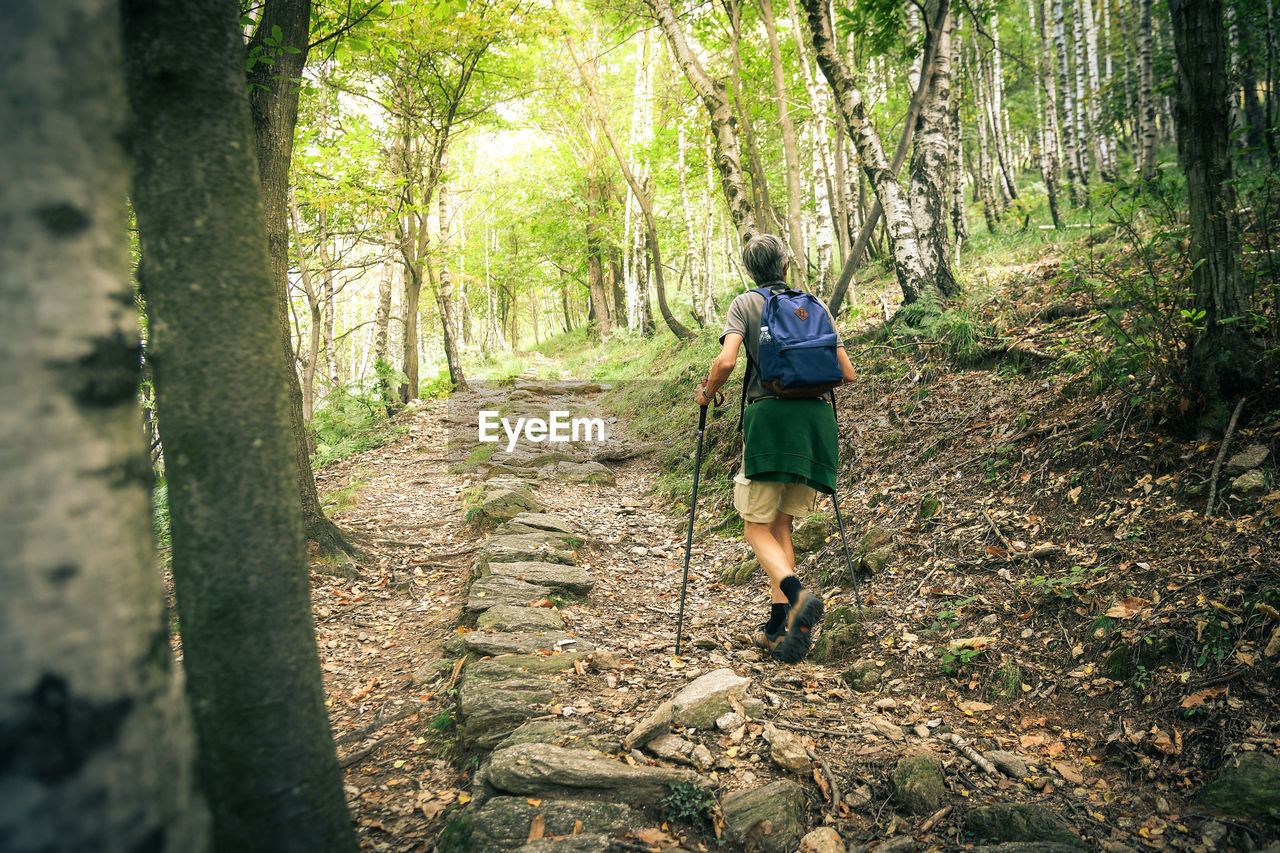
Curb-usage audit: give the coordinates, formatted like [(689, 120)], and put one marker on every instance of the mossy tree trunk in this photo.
[(265, 757), (95, 743)]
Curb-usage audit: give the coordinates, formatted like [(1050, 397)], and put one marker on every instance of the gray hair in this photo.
[(765, 257)]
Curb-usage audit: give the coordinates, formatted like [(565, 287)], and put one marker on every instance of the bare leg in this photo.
[(776, 557)]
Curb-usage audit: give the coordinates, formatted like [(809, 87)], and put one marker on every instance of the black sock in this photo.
[(777, 617), (791, 587)]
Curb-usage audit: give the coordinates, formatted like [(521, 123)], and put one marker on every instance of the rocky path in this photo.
[(532, 614)]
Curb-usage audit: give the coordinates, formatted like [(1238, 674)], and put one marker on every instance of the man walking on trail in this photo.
[(789, 456)]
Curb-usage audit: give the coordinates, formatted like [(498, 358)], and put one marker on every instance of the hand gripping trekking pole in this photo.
[(693, 506)]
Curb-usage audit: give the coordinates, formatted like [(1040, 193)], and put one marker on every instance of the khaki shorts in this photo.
[(759, 501)]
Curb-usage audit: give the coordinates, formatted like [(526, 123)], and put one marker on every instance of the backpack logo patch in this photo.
[(802, 314)]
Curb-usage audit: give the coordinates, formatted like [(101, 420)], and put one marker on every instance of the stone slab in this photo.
[(534, 768), (492, 590), (507, 617), (556, 576), (520, 642)]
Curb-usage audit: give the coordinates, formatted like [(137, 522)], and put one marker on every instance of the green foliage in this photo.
[(350, 423), (953, 661), (686, 802), (442, 722), (1061, 587), (1006, 681), (344, 498)]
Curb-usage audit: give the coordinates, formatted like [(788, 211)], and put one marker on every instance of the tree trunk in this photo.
[(595, 257), (409, 356), (1104, 154), (1084, 129), (790, 150), (313, 318), (912, 279), (928, 170), (1048, 129), (1070, 150), (95, 745), (444, 298), (265, 757), (955, 174), (1146, 94), (273, 100), (1008, 180), (382, 322), (639, 191), (984, 175), (690, 241), (1222, 355), (712, 93), (328, 302)]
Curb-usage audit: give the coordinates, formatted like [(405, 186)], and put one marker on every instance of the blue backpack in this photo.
[(798, 356)]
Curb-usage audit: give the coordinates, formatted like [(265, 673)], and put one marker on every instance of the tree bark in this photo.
[(95, 745), (1146, 94), (723, 124), (273, 100), (313, 318), (1048, 130), (912, 279), (1222, 354), (595, 256), (265, 757), (1103, 145), (1070, 150), (382, 322), (790, 150), (444, 299), (928, 171)]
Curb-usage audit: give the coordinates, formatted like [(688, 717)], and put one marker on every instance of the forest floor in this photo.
[(1050, 589)]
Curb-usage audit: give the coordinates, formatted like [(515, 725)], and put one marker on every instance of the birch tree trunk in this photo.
[(912, 278), (955, 173), (310, 357), (96, 743), (985, 173), (1104, 154), (1049, 128), (1223, 362), (1070, 149), (712, 93), (1008, 181), (382, 320), (690, 241), (444, 299), (790, 151), (266, 759), (927, 189), (1146, 94), (1084, 129)]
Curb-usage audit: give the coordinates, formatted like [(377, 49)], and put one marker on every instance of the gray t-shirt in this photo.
[(744, 319)]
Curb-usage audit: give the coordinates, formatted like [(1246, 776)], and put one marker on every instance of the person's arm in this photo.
[(846, 366), (720, 370)]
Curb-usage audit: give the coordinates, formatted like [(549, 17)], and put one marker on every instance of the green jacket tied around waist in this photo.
[(791, 441)]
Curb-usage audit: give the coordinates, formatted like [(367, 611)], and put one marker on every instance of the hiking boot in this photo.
[(803, 615), (767, 640)]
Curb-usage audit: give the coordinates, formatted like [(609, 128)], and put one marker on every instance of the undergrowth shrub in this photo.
[(350, 422)]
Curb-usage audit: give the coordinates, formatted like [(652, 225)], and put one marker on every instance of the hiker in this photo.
[(789, 453)]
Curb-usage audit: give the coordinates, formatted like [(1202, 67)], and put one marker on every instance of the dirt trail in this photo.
[(417, 722)]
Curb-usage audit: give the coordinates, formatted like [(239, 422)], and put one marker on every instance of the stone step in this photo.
[(523, 547), (491, 709), (521, 642), (546, 521), (495, 589), (592, 473), (499, 503), (499, 667), (556, 576), (507, 617), (568, 732), (502, 823), (536, 768)]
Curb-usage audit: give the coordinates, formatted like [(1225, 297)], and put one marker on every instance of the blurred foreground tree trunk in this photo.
[(265, 757), (95, 744)]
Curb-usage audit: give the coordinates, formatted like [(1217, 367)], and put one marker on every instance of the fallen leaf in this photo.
[(1066, 771), (577, 827), (1126, 608), (1201, 696), (970, 707), (652, 836), (537, 829)]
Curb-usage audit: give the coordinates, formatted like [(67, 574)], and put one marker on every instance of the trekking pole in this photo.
[(693, 506), (857, 596)]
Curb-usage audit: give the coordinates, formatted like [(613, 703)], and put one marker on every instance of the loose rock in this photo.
[(1008, 763), (787, 750), (780, 805), (918, 783), (822, 840), (1018, 823), (1248, 785), (707, 698), (502, 823)]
